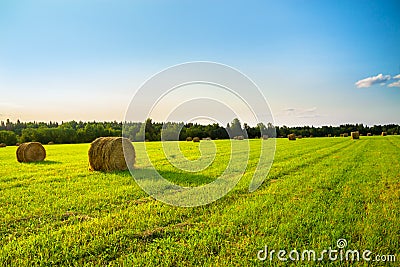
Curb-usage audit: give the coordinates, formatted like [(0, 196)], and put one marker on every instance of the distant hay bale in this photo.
[(17, 144), (107, 154), (369, 134), (341, 135), (3, 145), (329, 135), (311, 136), (384, 133), (51, 143), (345, 135), (291, 136), (299, 137), (355, 135), (189, 138), (240, 137), (31, 152), (395, 134), (208, 139), (265, 137), (196, 139)]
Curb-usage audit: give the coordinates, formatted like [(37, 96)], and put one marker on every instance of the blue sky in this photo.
[(83, 60)]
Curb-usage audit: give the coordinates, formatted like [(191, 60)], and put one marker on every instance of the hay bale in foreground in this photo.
[(107, 154), (355, 135), (196, 139), (189, 139), (3, 145), (291, 136), (31, 152), (384, 133)]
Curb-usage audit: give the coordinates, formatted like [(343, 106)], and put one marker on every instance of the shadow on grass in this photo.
[(46, 162), (118, 173), (178, 178)]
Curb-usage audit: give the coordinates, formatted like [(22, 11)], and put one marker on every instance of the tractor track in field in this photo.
[(308, 151), (292, 170), (307, 161), (393, 143)]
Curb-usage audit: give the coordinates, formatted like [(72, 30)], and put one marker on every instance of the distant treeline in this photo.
[(85, 132)]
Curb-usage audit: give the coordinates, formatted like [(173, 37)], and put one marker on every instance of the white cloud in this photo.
[(9, 105), (367, 82), (302, 112), (394, 84), (289, 110), (397, 76)]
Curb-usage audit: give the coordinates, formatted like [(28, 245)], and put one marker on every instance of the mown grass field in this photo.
[(318, 191)]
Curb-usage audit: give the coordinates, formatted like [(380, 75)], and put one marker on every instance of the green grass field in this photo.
[(318, 191)]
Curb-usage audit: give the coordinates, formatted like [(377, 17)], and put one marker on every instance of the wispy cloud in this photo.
[(368, 82), (397, 76), (9, 105), (302, 112), (394, 84), (288, 110)]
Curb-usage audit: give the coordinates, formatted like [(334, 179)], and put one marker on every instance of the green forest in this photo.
[(85, 132)]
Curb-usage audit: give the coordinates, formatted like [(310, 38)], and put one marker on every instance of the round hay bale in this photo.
[(384, 133), (3, 145), (107, 154), (196, 139), (345, 135), (369, 134), (291, 136), (189, 139), (31, 152), (355, 135), (17, 144), (51, 143)]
